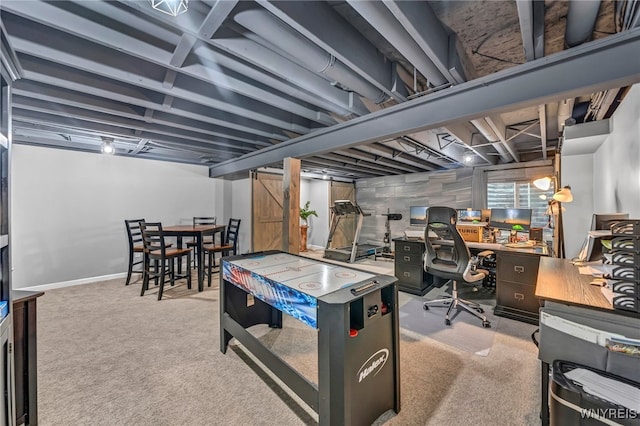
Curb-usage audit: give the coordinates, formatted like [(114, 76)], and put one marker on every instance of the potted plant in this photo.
[(305, 213)]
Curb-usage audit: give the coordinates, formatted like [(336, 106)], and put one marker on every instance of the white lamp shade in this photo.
[(543, 183), (564, 195)]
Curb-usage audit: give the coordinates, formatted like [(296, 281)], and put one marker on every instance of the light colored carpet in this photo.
[(107, 356), (465, 332)]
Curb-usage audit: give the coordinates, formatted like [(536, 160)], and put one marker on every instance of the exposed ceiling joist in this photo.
[(312, 19), (531, 17), (562, 75)]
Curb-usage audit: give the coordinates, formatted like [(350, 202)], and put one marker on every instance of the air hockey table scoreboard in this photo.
[(356, 317)]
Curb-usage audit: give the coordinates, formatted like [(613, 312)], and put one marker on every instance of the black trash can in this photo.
[(571, 405)]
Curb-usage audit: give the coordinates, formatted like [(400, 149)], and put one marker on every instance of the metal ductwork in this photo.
[(565, 108), (581, 19), (627, 15), (485, 129), (284, 68), (307, 53), (388, 26)]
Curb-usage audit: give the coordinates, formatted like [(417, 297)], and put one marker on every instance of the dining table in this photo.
[(197, 232)]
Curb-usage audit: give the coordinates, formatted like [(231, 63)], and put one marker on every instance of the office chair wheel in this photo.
[(447, 322), (425, 307), (486, 324), (480, 310)]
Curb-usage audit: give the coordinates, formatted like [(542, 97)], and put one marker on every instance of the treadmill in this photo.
[(340, 209)]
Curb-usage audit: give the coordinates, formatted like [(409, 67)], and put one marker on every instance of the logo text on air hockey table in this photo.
[(373, 365)]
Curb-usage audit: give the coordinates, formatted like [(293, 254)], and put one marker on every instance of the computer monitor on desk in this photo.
[(509, 218), (469, 216), (418, 216)]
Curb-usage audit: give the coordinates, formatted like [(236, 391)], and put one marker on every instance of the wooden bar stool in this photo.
[(134, 235), (228, 246), (163, 258), (201, 220)]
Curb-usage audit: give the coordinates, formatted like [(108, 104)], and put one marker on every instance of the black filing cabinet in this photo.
[(408, 266), (516, 286)]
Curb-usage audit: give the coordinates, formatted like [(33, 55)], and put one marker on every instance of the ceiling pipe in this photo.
[(581, 19), (565, 108), (485, 129), (388, 26), (306, 52), (294, 73)]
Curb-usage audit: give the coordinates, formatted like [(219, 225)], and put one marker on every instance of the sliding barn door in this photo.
[(343, 237), (267, 214)]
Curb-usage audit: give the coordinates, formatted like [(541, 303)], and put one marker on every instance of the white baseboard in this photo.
[(80, 281), (314, 247)]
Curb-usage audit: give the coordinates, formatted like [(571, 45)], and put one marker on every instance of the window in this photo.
[(522, 195)]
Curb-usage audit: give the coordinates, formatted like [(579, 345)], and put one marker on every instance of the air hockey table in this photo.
[(356, 317)]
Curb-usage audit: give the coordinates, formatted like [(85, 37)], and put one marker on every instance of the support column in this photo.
[(291, 206)]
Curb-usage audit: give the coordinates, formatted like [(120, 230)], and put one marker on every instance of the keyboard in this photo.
[(521, 244)]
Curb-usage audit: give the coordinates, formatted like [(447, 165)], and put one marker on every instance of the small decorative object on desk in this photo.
[(625, 256)]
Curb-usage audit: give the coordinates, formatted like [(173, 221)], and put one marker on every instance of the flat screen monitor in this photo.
[(603, 221), (469, 215), (418, 215), (508, 218)]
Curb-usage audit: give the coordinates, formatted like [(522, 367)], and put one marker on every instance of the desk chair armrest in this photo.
[(471, 274), (484, 253)]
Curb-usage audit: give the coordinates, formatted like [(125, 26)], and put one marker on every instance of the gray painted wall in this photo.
[(577, 172), (68, 209), (616, 164), (448, 188), (608, 180), (317, 192), (240, 201)]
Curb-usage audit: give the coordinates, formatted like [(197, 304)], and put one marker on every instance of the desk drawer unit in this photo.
[(409, 248), (410, 275), (408, 267), (516, 276)]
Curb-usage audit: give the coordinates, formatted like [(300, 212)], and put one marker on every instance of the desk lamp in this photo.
[(563, 195)]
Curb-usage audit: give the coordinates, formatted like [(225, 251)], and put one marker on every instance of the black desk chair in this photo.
[(451, 262)]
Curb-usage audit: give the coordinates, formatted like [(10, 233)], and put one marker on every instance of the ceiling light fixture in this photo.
[(468, 158), (107, 146), (170, 7)]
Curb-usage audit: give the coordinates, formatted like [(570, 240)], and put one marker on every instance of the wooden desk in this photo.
[(198, 232), (559, 280), (539, 250), (25, 356), (516, 274)]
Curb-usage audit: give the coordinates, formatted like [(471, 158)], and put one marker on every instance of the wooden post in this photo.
[(291, 206)]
